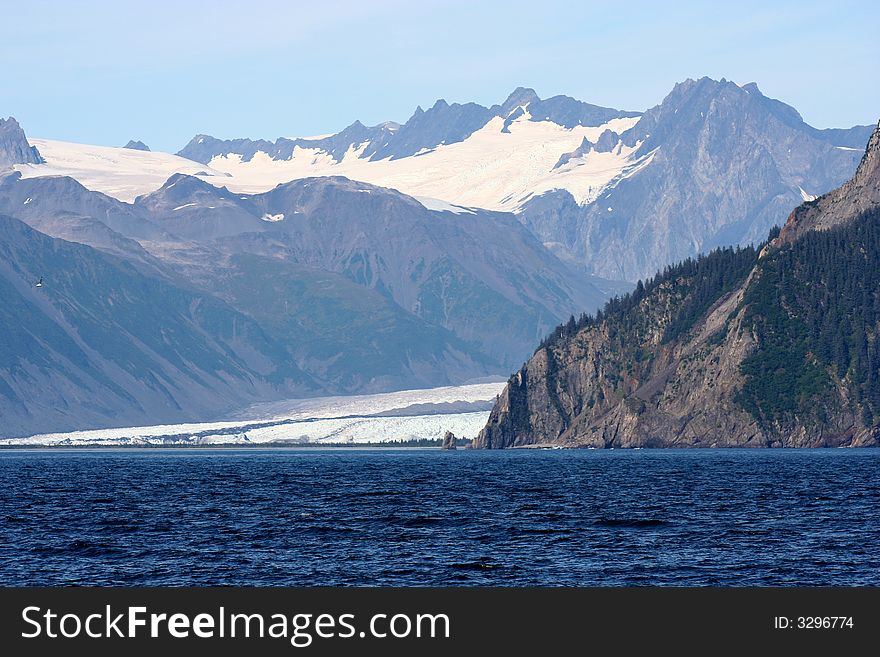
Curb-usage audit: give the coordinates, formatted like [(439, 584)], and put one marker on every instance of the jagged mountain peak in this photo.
[(14, 146), (697, 101), (519, 97), (443, 123), (714, 164)]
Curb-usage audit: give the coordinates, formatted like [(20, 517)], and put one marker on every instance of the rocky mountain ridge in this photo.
[(443, 123), (722, 164)]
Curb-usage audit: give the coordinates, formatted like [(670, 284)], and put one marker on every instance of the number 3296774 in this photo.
[(814, 622)]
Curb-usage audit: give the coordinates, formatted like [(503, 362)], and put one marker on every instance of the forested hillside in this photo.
[(760, 347), (814, 307)]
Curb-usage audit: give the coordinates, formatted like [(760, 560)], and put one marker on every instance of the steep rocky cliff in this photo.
[(14, 146), (732, 349)]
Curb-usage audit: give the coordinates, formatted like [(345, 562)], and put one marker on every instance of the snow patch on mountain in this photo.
[(806, 195), (442, 206)]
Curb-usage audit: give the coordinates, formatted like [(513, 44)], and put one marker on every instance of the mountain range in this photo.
[(618, 194), (774, 346), (427, 253), (100, 342)]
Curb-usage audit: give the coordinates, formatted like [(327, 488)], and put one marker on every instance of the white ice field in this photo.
[(385, 417), (493, 168)]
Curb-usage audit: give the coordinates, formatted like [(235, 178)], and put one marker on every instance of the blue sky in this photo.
[(103, 72)]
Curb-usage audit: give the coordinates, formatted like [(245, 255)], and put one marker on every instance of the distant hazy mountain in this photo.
[(474, 230), (99, 343), (136, 145), (14, 146), (364, 287), (490, 157), (615, 193), (857, 196), (478, 274)]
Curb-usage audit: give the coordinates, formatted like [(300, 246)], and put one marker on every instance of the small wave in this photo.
[(630, 522), (474, 565), (327, 529), (117, 525), (422, 521), (79, 548)]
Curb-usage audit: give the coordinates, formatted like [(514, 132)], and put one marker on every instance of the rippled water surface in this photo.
[(313, 517)]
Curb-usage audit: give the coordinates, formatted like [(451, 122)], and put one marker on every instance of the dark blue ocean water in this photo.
[(425, 517)]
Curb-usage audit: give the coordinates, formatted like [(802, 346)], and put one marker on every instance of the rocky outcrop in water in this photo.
[(449, 441)]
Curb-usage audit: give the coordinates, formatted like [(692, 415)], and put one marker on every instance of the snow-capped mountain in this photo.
[(616, 193), (122, 173), (720, 165), (493, 158), (380, 257), (441, 125)]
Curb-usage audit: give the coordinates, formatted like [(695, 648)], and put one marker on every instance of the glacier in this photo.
[(376, 418)]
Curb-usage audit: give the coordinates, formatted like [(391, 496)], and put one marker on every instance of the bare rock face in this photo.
[(720, 165), (582, 393), (841, 205), (620, 381), (448, 441), (14, 146), (607, 141)]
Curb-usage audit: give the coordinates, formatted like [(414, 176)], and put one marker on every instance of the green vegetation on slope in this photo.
[(695, 284), (814, 308)]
